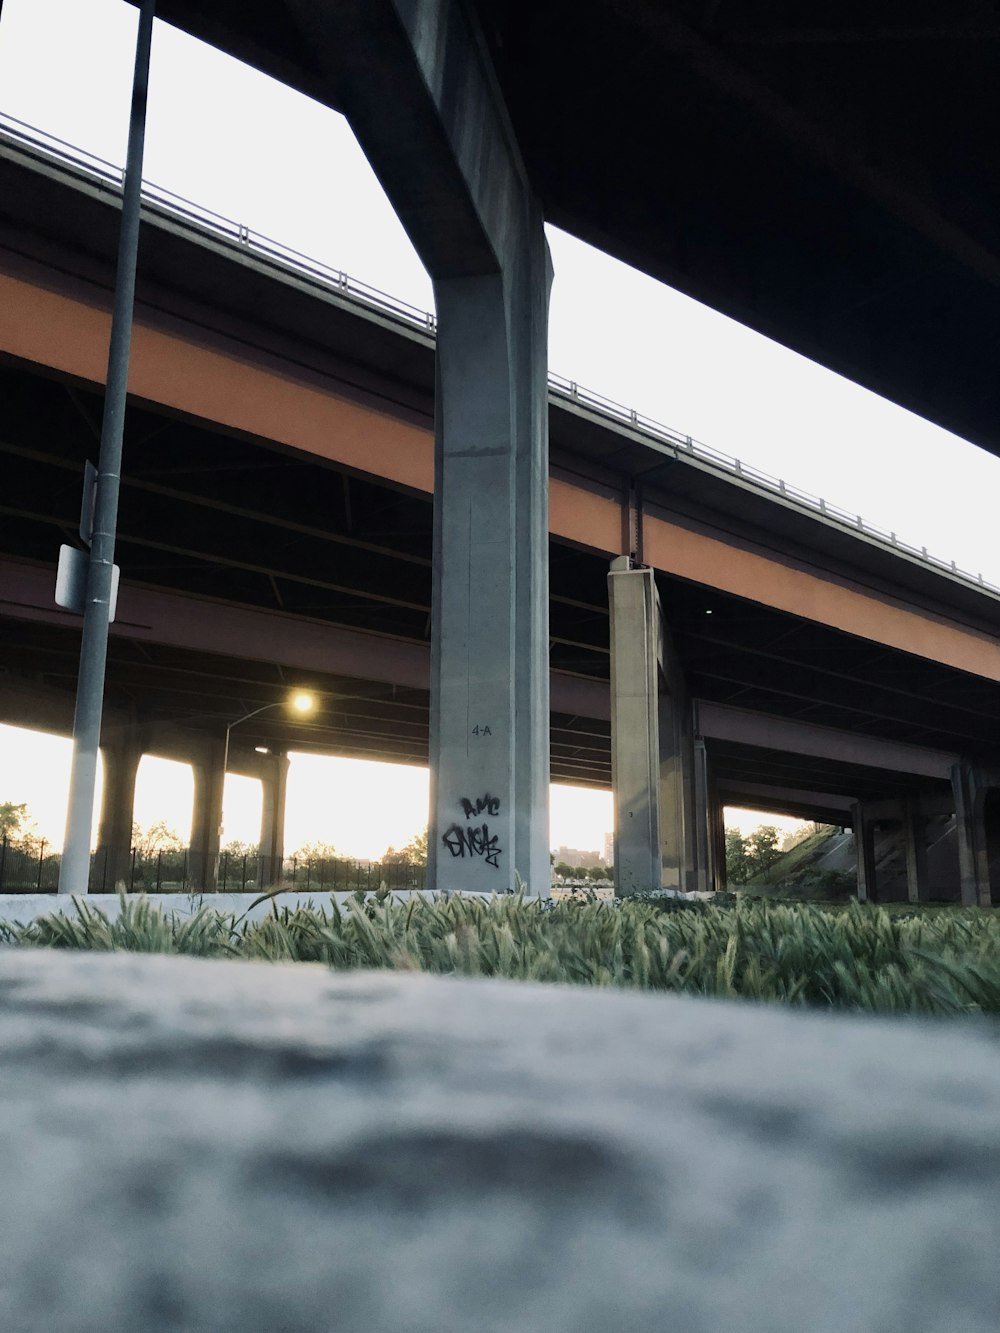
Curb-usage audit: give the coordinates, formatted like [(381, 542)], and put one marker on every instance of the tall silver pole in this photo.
[(74, 874)]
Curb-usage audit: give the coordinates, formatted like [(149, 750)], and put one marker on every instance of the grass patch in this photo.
[(859, 957)]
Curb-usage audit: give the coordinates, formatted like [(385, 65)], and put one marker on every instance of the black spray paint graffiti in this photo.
[(476, 840), (488, 804)]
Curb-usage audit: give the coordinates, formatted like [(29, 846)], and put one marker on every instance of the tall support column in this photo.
[(417, 85), (703, 839), (689, 879), (112, 864), (650, 754), (206, 822), (489, 656), (673, 775), (970, 826), (864, 845), (915, 853), (271, 859), (721, 876), (529, 278), (635, 726)]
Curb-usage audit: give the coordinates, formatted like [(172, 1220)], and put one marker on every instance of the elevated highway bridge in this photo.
[(276, 529)]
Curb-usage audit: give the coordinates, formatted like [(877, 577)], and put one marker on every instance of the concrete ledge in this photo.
[(216, 1146), (25, 907), (22, 908)]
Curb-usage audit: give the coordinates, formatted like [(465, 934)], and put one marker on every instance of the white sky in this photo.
[(232, 140)]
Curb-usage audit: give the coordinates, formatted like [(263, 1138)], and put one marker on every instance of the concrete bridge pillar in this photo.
[(915, 852), (416, 84), (718, 879), (969, 792), (717, 827), (703, 838), (652, 754), (489, 653), (635, 629), (864, 846), (113, 859), (274, 782), (206, 822)]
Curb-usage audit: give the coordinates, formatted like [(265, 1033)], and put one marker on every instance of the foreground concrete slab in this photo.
[(235, 1146)]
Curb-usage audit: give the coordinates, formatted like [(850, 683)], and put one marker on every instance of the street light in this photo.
[(301, 702)]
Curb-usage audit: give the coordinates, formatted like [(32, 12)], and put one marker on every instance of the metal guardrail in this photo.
[(293, 261), (683, 446)]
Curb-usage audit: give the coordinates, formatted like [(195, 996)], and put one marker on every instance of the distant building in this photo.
[(609, 849), (572, 856)]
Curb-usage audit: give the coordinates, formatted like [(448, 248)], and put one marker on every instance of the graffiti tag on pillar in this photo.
[(475, 840), (487, 804)]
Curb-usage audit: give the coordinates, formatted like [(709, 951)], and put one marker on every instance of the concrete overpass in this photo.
[(276, 528), (816, 174)]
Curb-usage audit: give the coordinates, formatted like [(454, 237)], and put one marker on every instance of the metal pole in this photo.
[(225, 766), (74, 872), (225, 753)]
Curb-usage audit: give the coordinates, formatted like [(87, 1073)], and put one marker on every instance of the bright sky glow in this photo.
[(34, 768), (163, 785), (232, 140)]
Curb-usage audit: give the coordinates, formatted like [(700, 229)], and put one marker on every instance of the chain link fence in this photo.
[(32, 866)]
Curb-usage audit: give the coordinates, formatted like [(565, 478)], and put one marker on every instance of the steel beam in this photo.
[(724, 722)]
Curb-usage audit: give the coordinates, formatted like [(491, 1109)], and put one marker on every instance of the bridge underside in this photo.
[(251, 567), (317, 560), (812, 172)]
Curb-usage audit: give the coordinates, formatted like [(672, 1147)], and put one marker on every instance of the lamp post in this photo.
[(74, 871), (301, 702)]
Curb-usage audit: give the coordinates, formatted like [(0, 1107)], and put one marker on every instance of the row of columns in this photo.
[(122, 753), (669, 818), (416, 83), (975, 833)]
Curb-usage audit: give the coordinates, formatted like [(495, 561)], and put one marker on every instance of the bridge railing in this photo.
[(282, 256), (685, 446), (107, 174)]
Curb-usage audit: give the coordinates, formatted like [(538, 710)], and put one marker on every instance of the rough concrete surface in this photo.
[(192, 1145)]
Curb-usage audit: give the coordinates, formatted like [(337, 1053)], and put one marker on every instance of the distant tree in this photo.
[(237, 848), (413, 854), (597, 872), (763, 849), (564, 870), (316, 851), (13, 818), (156, 838), (737, 861)]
